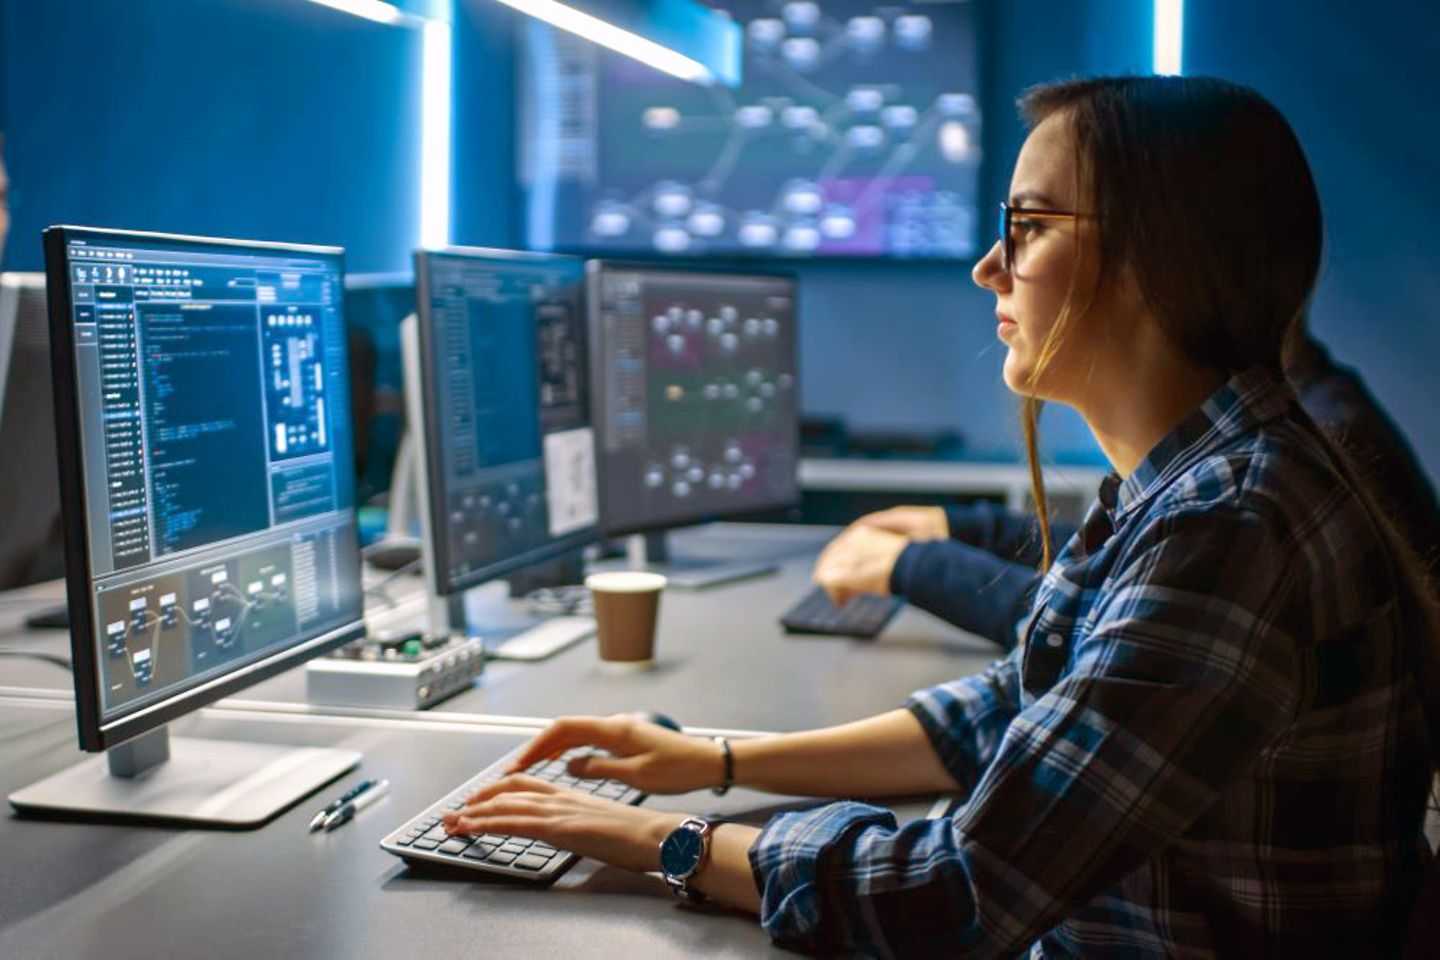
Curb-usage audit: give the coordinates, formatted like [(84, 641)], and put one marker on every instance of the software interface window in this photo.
[(515, 447), (699, 395), (211, 385)]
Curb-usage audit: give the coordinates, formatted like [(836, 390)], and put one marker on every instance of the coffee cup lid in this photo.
[(626, 581)]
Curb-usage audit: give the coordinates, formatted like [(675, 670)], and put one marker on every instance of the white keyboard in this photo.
[(545, 638)]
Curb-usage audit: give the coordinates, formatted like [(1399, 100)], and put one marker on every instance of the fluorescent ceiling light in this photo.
[(649, 52), (1169, 36), (435, 94), (376, 10)]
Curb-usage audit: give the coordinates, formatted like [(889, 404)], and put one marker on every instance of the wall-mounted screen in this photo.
[(855, 133)]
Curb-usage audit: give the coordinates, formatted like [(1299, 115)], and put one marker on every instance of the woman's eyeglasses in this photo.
[(1010, 215)]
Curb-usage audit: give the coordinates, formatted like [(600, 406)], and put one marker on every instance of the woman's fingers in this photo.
[(514, 783), (608, 733), (596, 767)]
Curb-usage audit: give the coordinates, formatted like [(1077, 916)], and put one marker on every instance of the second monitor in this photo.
[(496, 370), (693, 375)]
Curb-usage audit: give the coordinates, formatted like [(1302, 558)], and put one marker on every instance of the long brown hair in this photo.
[(1199, 187)]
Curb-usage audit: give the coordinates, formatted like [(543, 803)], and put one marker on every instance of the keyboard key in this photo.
[(424, 843), (478, 851), (543, 849), (501, 857), (531, 862), (454, 845), (405, 841)]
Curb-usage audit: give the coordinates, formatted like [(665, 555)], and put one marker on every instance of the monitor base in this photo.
[(204, 783), (650, 552), (689, 573)]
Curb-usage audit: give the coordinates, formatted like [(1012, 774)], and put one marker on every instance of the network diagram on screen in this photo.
[(213, 405), (855, 132), (700, 394)]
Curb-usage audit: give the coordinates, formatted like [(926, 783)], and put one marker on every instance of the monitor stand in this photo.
[(649, 551), (491, 614), (206, 783)]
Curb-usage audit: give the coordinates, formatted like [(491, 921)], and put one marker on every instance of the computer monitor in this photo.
[(203, 431), (30, 542), (693, 375), (375, 305), (496, 377)]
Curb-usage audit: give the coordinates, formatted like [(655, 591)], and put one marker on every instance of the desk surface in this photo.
[(89, 890), (723, 662)]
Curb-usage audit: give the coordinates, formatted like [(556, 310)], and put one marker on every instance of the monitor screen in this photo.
[(696, 394), (30, 549), (375, 304), (509, 453), (206, 461), (854, 133)]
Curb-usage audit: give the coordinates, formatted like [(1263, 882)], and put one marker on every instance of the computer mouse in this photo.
[(659, 719)]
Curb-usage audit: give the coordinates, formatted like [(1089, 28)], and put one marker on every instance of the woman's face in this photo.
[(1029, 296)]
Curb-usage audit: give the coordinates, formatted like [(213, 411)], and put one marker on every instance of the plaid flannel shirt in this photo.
[(1207, 741)]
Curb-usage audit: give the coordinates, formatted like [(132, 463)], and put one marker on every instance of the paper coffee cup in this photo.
[(627, 605)]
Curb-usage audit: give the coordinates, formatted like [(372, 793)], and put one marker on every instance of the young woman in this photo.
[(1210, 738)]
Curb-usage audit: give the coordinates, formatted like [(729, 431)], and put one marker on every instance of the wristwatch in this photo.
[(683, 853)]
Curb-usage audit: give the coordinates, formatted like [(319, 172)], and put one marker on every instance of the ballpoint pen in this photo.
[(318, 821), (352, 807)]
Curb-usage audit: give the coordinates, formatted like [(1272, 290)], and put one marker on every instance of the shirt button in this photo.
[(1054, 640)]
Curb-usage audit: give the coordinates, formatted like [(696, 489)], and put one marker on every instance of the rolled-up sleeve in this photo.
[(965, 719), (1179, 685)]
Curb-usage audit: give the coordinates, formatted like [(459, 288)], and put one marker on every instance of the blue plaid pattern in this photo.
[(1205, 743)]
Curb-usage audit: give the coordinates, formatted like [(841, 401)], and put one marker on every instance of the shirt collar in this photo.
[(1245, 400)]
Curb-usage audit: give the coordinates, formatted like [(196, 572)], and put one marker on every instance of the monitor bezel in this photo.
[(432, 493), (593, 269), (95, 733)]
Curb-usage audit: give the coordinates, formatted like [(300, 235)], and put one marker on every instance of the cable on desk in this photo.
[(54, 658)]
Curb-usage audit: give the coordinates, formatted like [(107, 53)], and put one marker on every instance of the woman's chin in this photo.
[(1016, 374)]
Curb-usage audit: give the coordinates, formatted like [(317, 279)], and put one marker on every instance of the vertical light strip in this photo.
[(435, 119), (1169, 36)]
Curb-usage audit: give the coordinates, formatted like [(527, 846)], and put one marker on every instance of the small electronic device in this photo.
[(207, 478), (696, 399), (423, 839), (408, 670), (863, 617)]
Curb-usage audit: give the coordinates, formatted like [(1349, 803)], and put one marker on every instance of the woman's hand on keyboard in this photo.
[(524, 806), (644, 755)]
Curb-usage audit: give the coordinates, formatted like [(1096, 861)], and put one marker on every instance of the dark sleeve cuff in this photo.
[(965, 586), (970, 523)]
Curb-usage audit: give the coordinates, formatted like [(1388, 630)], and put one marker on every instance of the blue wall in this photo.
[(1358, 84), (305, 125), (271, 119)]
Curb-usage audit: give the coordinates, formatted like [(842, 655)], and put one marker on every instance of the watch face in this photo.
[(680, 853)]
